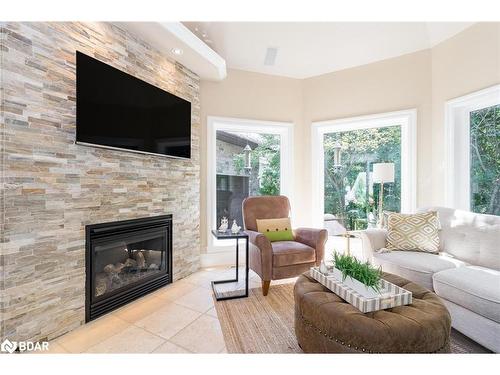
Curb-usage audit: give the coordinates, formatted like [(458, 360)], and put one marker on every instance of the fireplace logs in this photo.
[(139, 258), (132, 269)]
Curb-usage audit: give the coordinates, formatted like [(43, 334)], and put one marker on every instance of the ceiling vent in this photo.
[(270, 58)]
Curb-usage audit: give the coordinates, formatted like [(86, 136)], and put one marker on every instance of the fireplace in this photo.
[(126, 260)]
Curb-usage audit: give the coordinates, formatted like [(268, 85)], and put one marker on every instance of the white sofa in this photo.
[(465, 274)]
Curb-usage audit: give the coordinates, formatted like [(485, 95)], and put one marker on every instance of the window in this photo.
[(248, 164), (245, 158), (349, 192), (345, 193), (473, 149), (485, 160)]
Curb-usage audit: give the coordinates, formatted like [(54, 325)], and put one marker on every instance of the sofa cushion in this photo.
[(473, 238), (287, 253), (473, 287), (416, 266)]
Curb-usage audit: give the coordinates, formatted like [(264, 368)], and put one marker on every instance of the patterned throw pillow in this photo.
[(414, 232), (276, 229)]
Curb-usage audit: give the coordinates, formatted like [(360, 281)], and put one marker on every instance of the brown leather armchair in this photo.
[(281, 259)]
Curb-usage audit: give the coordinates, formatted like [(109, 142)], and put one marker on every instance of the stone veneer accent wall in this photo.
[(52, 188)]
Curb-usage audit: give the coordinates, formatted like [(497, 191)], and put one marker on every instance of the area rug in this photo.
[(259, 324)]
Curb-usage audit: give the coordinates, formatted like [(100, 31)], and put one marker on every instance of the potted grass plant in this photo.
[(360, 276)]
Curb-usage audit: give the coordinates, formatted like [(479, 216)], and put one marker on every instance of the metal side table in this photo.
[(224, 295)]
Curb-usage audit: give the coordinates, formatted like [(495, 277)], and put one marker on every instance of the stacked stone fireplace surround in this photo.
[(52, 188)]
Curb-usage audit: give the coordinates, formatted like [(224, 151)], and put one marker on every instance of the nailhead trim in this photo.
[(308, 323)]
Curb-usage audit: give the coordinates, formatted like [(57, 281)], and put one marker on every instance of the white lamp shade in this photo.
[(383, 172)]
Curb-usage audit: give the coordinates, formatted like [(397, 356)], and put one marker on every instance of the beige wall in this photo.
[(390, 85), (468, 62), (423, 80), (248, 95)]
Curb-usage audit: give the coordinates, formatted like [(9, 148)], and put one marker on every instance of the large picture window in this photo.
[(345, 192), (245, 158), (248, 164), (349, 192), (473, 149), (485, 160)]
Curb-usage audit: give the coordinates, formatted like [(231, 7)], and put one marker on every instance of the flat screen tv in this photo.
[(117, 110)]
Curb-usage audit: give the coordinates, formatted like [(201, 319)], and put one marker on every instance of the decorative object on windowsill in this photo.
[(382, 173), (224, 224), (337, 157), (362, 277), (235, 228), (248, 163)]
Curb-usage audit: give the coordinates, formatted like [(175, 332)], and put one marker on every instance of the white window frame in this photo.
[(283, 129), (407, 119), (457, 143)]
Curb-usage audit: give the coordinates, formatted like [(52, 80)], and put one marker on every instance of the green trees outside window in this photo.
[(235, 179), (349, 192), (265, 160), (485, 160)]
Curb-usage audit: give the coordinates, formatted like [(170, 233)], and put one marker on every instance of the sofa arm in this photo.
[(315, 238), (372, 240)]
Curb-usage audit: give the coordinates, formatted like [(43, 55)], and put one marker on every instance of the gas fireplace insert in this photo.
[(126, 260)]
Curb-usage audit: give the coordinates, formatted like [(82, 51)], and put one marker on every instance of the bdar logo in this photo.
[(23, 346), (8, 346)]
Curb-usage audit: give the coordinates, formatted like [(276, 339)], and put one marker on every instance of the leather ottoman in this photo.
[(325, 323)]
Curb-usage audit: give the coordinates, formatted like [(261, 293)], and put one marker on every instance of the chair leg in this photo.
[(265, 286)]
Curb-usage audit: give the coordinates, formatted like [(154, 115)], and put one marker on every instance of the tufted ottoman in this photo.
[(325, 323)]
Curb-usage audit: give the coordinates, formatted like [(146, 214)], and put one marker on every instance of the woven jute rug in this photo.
[(259, 324)]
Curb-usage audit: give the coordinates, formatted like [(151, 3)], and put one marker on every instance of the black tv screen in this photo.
[(115, 109)]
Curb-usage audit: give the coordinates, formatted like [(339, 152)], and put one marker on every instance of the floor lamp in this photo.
[(382, 173)]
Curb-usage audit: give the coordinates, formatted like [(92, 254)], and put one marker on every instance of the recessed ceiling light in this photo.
[(176, 51)]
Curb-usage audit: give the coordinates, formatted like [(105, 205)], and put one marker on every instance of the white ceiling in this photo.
[(194, 53), (306, 49)]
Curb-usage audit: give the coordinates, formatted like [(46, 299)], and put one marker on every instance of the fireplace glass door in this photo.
[(122, 261)]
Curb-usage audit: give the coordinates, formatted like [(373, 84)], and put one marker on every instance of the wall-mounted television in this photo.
[(119, 111)]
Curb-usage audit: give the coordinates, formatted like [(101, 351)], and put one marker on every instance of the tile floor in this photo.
[(179, 318)]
